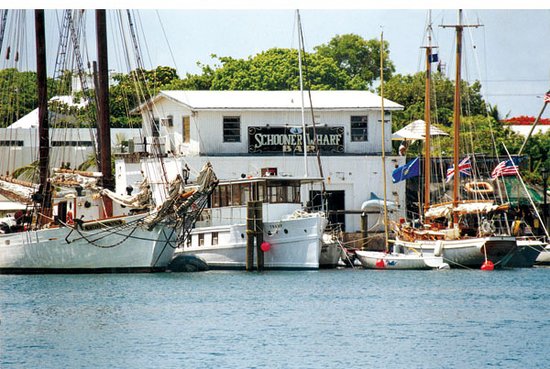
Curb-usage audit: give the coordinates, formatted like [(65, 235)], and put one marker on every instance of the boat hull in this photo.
[(122, 246), (330, 255), (395, 261), (526, 254), (465, 253), (294, 244)]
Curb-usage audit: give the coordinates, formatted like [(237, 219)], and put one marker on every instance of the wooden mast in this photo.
[(456, 111), (43, 124), (104, 129)]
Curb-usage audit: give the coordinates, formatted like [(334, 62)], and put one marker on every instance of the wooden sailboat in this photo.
[(445, 231), (77, 228)]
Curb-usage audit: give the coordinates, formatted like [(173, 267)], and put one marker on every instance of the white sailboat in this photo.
[(445, 231), (77, 229), (397, 259)]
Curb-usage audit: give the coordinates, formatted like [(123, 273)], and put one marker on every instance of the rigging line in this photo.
[(166, 39)]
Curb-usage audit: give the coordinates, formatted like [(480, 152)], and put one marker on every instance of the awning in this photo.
[(416, 131), (516, 192)]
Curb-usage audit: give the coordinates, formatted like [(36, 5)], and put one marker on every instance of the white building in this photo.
[(241, 132), (68, 146)]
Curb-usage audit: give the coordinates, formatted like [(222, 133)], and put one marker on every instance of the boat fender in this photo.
[(438, 248), (380, 264), (265, 246)]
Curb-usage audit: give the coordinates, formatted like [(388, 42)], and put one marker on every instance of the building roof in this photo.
[(277, 100), (31, 119)]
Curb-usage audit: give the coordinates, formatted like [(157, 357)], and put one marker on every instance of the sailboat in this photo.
[(392, 259), (77, 228), (460, 231)]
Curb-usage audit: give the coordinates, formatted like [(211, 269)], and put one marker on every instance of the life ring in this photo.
[(70, 219), (479, 187)]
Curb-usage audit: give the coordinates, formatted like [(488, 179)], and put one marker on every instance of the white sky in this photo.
[(511, 55)]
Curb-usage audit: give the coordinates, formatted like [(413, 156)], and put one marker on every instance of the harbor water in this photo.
[(320, 319)]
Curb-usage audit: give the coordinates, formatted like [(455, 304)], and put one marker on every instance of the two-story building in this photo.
[(243, 132)]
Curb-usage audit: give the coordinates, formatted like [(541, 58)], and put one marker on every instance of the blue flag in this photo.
[(409, 170), (433, 58)]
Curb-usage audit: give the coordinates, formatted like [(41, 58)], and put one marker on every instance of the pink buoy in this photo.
[(488, 265), (380, 264), (265, 246)]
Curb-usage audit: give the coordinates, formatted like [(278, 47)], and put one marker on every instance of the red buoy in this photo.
[(265, 246), (488, 265), (380, 264)]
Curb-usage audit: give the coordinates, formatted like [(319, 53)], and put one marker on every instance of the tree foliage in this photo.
[(359, 58)]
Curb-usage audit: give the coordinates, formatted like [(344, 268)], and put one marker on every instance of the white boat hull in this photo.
[(398, 261), (465, 253), (294, 244), (544, 256), (89, 250)]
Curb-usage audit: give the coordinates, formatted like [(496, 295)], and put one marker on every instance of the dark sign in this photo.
[(290, 140)]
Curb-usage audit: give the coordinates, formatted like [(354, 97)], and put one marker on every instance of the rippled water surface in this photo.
[(322, 319)]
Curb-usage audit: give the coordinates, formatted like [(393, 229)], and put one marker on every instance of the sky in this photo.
[(509, 54)]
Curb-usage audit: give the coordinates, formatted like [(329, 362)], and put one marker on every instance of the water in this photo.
[(321, 319)]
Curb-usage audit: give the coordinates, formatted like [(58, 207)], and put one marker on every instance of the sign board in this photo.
[(273, 140)]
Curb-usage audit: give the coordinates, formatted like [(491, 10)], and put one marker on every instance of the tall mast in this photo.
[(383, 140), (43, 123), (304, 133), (104, 129), (456, 111), (43, 126), (427, 116)]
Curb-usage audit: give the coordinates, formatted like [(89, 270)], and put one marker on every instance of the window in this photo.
[(359, 128), (186, 131), (214, 238), (231, 129)]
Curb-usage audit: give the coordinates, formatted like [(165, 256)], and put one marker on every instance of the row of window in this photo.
[(358, 123), (240, 193)]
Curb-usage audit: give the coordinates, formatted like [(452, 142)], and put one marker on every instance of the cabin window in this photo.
[(201, 239), (186, 129), (359, 128), (11, 143), (155, 127), (214, 238), (231, 129), (236, 195), (283, 192)]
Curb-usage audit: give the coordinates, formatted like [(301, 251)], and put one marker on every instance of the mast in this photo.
[(383, 140), (104, 129), (304, 133), (427, 117), (43, 124), (456, 110)]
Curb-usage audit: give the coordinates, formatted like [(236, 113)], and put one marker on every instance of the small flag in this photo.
[(433, 58), (506, 168), (547, 97), (409, 170), (464, 168)]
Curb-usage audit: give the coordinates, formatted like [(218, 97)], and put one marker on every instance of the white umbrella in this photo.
[(416, 131)]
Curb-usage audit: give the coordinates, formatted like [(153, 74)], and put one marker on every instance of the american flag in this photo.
[(464, 167), (505, 168), (547, 97)]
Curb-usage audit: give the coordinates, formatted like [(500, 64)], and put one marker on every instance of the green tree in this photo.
[(359, 58), (275, 69)]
